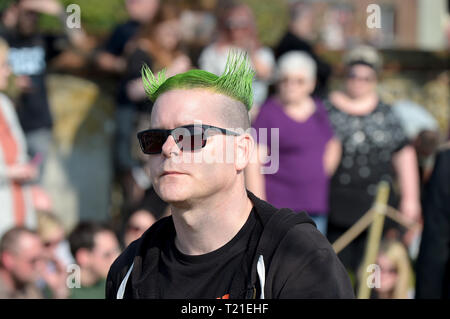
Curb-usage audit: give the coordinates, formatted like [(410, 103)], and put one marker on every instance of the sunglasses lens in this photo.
[(152, 141), (189, 138)]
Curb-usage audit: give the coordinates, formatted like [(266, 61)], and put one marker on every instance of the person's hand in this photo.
[(181, 64), (412, 234), (111, 63), (135, 90), (411, 210), (54, 277), (41, 200), (23, 83), (10, 17), (51, 7), (22, 172)]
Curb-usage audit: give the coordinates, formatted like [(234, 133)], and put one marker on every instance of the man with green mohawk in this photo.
[(220, 241)]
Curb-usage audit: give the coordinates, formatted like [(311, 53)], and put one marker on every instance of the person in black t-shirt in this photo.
[(29, 56), (293, 40), (220, 241), (110, 57)]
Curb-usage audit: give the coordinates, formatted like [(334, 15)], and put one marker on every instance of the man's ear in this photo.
[(245, 145), (7, 260)]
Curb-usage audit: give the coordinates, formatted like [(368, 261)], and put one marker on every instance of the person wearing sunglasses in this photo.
[(375, 148), (20, 252), (396, 272), (309, 152), (23, 271), (220, 241)]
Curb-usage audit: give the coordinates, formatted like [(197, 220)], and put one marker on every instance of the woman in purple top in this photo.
[(306, 151)]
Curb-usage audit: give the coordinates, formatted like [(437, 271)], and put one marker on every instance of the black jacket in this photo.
[(297, 261), (433, 262)]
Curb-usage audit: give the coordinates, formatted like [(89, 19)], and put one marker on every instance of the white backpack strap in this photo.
[(261, 270), (123, 284)]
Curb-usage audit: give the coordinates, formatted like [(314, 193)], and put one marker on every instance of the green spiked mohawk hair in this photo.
[(235, 82)]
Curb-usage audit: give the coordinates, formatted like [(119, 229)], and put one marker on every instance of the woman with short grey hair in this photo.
[(308, 151)]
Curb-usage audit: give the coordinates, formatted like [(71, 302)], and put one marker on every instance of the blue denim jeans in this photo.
[(39, 142), (321, 223)]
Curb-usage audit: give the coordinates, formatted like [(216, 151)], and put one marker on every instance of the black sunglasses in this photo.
[(353, 76), (188, 137)]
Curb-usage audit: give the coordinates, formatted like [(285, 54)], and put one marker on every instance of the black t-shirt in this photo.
[(298, 262), (368, 144), (120, 36), (135, 61), (115, 45), (28, 56), (203, 276)]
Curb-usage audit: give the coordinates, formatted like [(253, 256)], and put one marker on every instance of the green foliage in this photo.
[(98, 17), (4, 4), (272, 18)]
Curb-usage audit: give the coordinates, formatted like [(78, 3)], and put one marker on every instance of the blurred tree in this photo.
[(100, 16), (272, 18), (97, 17)]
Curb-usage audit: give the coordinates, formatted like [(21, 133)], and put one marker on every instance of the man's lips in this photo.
[(171, 173)]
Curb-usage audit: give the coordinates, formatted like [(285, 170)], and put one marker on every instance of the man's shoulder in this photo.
[(284, 216), (295, 231), (124, 260), (306, 266), (306, 238), (151, 236), (284, 224), (301, 262)]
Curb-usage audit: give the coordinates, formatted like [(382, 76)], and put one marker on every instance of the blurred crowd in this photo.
[(339, 136)]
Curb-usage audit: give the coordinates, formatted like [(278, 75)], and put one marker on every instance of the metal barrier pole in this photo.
[(373, 242), (353, 232)]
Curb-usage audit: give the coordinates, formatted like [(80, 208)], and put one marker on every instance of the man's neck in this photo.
[(88, 278), (7, 280), (211, 223)]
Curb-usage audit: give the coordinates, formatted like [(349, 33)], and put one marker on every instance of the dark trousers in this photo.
[(352, 255)]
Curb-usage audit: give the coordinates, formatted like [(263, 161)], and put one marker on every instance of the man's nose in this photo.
[(170, 146)]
